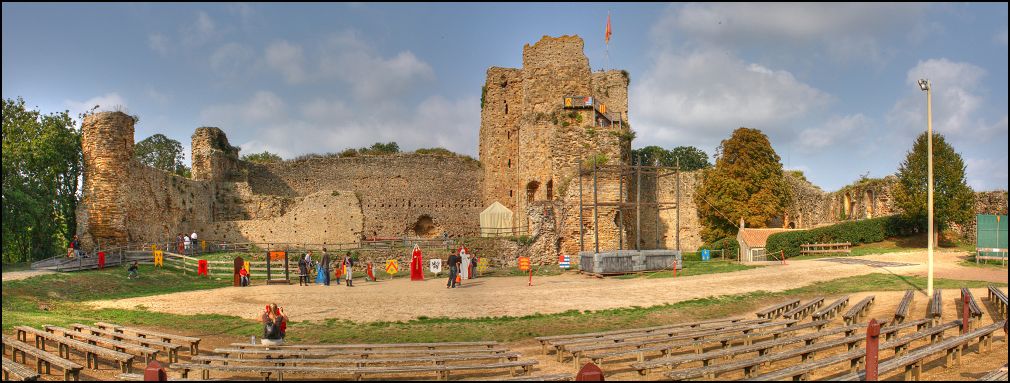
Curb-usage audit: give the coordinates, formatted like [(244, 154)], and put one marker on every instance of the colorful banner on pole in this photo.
[(482, 265), (565, 262), (435, 265), (277, 255), (524, 263), (392, 267), (159, 258)]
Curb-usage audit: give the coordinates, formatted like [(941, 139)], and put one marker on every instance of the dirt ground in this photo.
[(402, 299), (19, 275)]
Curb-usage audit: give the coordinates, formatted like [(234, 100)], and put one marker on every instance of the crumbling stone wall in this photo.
[(322, 218), (987, 202), (214, 159), (107, 146), (396, 192)]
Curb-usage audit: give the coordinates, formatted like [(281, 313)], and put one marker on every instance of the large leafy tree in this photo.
[(161, 152), (262, 158), (42, 165), (953, 199), (691, 158), (747, 182)]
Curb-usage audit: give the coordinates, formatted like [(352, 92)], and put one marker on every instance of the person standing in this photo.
[(348, 269), (243, 277), (75, 246), (303, 271), (195, 244), (185, 243), (454, 262), (326, 267)]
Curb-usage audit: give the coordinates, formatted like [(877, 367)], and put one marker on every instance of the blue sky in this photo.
[(833, 85)]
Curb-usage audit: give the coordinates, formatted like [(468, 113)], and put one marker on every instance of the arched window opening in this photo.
[(531, 190), (550, 190)]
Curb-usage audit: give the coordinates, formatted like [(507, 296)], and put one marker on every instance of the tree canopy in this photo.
[(691, 158), (42, 165), (747, 182), (262, 158), (953, 199), (162, 153)]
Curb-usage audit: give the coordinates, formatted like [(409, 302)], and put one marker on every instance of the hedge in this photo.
[(854, 232), (728, 244)]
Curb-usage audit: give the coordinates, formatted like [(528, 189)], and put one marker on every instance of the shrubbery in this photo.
[(729, 245), (854, 232)]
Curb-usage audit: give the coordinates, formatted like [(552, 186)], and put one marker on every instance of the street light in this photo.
[(925, 86)]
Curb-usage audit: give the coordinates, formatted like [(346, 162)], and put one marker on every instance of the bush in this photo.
[(854, 232), (729, 245)]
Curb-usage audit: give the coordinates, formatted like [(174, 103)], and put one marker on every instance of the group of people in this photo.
[(187, 244), (343, 268), (275, 325), (458, 266)]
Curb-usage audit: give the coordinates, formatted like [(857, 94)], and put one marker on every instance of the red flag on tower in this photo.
[(606, 37)]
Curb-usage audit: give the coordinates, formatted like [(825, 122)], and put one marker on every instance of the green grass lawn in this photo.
[(57, 300), (893, 245), (693, 268)]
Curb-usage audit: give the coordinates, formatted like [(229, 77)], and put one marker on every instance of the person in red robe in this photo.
[(416, 271)]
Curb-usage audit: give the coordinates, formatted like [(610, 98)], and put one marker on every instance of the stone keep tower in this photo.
[(531, 142), (107, 145), (214, 159)]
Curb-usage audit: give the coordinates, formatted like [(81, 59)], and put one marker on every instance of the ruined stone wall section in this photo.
[(214, 159), (394, 191), (608, 188), (107, 146), (323, 218), (162, 204), (811, 206), (499, 136), (611, 88), (987, 202)]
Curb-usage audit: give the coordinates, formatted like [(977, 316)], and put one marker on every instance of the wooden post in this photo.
[(678, 202), (620, 209), (638, 204), (582, 244), (596, 211), (964, 313), (872, 350)]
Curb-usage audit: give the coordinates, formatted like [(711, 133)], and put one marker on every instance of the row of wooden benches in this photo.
[(999, 300), (110, 342)]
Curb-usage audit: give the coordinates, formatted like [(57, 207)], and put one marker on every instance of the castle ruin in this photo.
[(539, 125)]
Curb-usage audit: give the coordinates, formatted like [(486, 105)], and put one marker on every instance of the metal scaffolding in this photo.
[(632, 175)]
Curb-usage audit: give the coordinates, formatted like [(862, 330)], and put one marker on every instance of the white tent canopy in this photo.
[(495, 220)]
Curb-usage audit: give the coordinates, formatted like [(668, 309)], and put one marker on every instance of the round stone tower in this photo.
[(107, 145)]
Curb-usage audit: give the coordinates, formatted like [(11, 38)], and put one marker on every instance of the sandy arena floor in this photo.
[(402, 299)]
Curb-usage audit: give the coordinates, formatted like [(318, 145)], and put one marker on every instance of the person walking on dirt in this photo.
[(348, 269), (325, 262), (454, 262)]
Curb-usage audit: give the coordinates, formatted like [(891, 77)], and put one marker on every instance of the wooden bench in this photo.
[(935, 310), (750, 366), (667, 348), (805, 309), (997, 375), (999, 300), (148, 353), (15, 371), (563, 346), (856, 357), (826, 248), (906, 303), (974, 311), (775, 311), (543, 378), (360, 362), (829, 311), (442, 371), (547, 342), (578, 351), (193, 342), (912, 362), (65, 344), (71, 370), (282, 353), (367, 347), (858, 310), (172, 348)]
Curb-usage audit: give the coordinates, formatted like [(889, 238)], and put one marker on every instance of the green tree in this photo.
[(262, 158), (747, 182), (953, 199), (379, 148), (691, 158), (162, 153), (42, 165)]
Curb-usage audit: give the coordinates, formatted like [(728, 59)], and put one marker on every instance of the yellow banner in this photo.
[(159, 258)]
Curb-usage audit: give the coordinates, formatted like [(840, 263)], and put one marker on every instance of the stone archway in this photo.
[(531, 190)]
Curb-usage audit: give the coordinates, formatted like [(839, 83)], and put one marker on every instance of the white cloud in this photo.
[(371, 76), (200, 31), (262, 107), (106, 102), (705, 94), (288, 59), (838, 130), (158, 43), (956, 101), (231, 58), (845, 30), (986, 173)]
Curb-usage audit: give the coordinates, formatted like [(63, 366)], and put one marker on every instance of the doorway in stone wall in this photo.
[(531, 190)]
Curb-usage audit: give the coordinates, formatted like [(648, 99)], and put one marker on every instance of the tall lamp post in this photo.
[(925, 86)]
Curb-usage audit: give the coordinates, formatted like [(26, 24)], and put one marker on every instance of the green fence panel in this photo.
[(991, 232)]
